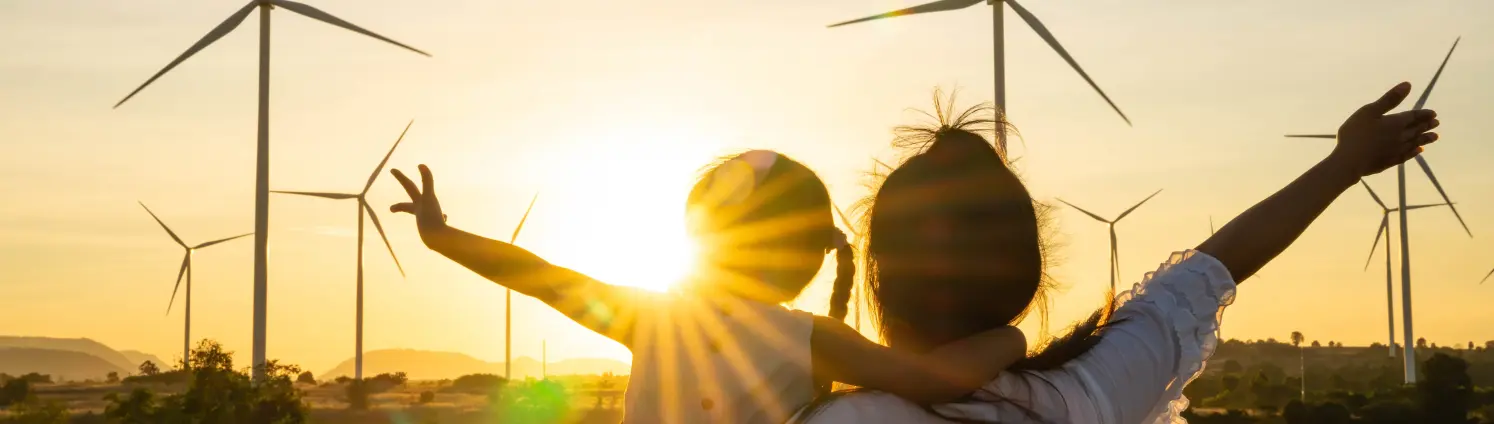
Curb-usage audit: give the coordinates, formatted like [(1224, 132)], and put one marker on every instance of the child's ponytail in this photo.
[(845, 277)]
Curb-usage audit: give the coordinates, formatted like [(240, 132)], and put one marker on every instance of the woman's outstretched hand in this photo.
[(422, 204), (1371, 141)]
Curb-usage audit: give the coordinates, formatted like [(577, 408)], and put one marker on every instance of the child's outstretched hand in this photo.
[(1371, 141), (422, 204)]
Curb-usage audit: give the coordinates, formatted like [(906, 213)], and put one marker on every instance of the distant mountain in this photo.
[(430, 365), (86, 346), (137, 357), (60, 364)]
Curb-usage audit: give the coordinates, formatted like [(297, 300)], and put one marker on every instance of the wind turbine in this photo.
[(508, 302), (1384, 229), (262, 157), (362, 206), (1400, 171), (1000, 49), (186, 270), (1109, 223)]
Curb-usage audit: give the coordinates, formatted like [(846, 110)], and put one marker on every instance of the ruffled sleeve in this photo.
[(1184, 299)]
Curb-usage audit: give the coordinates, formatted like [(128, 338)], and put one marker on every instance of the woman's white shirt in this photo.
[(1162, 333)]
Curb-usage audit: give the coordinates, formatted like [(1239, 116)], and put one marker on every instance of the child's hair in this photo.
[(766, 220)]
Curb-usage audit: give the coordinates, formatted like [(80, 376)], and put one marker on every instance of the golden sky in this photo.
[(609, 108)]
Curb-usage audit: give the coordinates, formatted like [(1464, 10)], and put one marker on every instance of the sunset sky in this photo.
[(608, 108)]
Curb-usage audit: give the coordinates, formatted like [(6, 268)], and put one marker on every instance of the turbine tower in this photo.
[(362, 206), (997, 8), (1400, 171), (508, 303), (1109, 223), (186, 270), (1384, 229), (262, 156)]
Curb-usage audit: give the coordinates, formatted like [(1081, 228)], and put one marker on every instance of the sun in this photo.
[(619, 202)]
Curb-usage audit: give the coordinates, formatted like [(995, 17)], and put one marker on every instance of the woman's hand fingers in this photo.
[(1386, 102), (428, 183), (409, 186), (405, 207)]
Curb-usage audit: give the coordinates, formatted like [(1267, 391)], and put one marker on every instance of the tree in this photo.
[(149, 368), (16, 391), (1421, 343), (1447, 390), (306, 378), (138, 408), (1316, 344), (1301, 362), (113, 377), (427, 397), (1470, 345)]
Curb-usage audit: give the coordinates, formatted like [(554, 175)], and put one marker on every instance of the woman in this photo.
[(954, 248)]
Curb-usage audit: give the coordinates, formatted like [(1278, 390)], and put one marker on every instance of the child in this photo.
[(721, 348)]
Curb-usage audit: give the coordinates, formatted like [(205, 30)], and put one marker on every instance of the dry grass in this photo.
[(399, 405)]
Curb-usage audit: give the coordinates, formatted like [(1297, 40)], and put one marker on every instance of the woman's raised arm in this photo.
[(1369, 142), (577, 296)]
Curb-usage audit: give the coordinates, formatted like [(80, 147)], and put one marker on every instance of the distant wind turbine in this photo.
[(362, 206), (1114, 254), (262, 161), (508, 302), (186, 270), (1384, 229), (1400, 170), (1000, 48)]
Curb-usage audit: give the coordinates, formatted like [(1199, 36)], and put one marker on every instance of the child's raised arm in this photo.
[(604, 308), (944, 374)]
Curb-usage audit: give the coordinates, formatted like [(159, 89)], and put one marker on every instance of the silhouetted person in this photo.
[(954, 248)]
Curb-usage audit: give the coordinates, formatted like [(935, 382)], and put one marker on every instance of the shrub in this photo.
[(427, 397), (306, 378), (16, 391), (113, 377), (217, 393), (37, 412)]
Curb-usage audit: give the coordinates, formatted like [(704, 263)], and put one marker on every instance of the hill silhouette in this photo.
[(60, 364), (137, 357), (85, 346), (432, 365)]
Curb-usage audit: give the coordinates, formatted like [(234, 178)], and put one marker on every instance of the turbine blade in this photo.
[(1428, 169), (1372, 194), (1328, 136), (179, 275), (334, 196), (163, 225), (1383, 230), (1486, 276), (884, 164), (375, 218), (1211, 226), (375, 174), (1042, 31), (216, 33), (1133, 208), (1415, 207), (938, 6), (1091, 214), (314, 13), (1422, 101), (222, 240), (515, 237)]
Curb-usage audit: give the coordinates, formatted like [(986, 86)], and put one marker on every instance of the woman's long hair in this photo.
[(1001, 250)]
